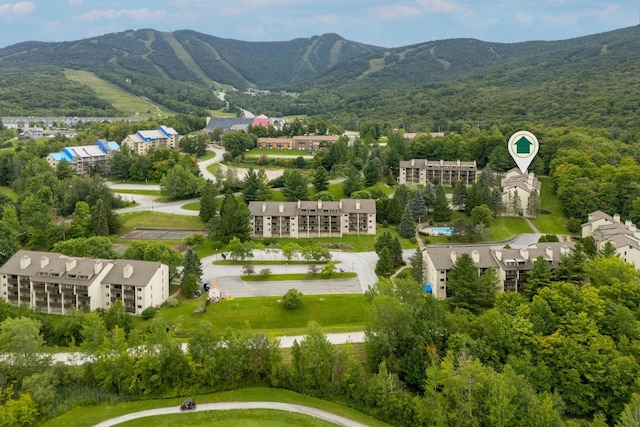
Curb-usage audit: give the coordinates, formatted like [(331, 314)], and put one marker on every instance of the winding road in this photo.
[(227, 406)]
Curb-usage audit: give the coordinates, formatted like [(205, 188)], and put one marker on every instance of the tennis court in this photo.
[(160, 234)]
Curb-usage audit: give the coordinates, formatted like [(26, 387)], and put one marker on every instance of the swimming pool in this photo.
[(440, 231)]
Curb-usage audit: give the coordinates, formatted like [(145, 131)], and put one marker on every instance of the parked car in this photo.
[(188, 405)]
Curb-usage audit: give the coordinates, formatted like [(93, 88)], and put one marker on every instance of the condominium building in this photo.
[(624, 236), (303, 142), (54, 283), (511, 265), (516, 191), (421, 171), (144, 140), (86, 158), (313, 219)]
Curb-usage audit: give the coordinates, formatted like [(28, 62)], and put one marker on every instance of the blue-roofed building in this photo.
[(86, 158), (144, 140)]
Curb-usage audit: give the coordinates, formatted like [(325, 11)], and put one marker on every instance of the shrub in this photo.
[(574, 226), (217, 245), (413, 240), (313, 269), (265, 272), (292, 299), (248, 269), (269, 241), (150, 312), (173, 302)]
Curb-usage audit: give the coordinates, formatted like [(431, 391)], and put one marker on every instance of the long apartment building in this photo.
[(511, 265), (624, 236), (144, 140), (313, 219), (86, 158), (302, 142), (421, 171), (54, 283)]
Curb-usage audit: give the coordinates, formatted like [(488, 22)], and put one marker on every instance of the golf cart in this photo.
[(188, 405)]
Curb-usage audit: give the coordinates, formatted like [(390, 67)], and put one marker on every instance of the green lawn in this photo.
[(8, 191), (231, 418), (213, 167), (193, 206), (504, 228), (128, 104), (141, 192), (362, 243), (335, 313), (151, 219), (208, 155), (89, 416), (553, 222), (266, 262)]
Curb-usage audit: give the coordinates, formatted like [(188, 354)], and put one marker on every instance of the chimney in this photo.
[(319, 204), (458, 162), (25, 261), (340, 204), (498, 253), (454, 256), (44, 261), (413, 162), (357, 204), (281, 207), (524, 253), (628, 223), (549, 252), (441, 162), (71, 264), (97, 267), (616, 217), (299, 203), (475, 255), (128, 271), (264, 206), (564, 250)]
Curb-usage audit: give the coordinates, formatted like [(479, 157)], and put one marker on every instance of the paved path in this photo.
[(78, 358), (226, 406)]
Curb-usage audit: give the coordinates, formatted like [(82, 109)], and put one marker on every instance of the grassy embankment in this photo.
[(83, 416), (296, 276), (554, 222)]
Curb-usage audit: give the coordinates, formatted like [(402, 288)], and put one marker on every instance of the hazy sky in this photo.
[(387, 23)]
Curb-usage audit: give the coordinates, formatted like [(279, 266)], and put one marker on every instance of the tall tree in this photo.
[(418, 207), (407, 227), (515, 204), (495, 202), (534, 204), (460, 195), (264, 189), (81, 221), (208, 201), (8, 243), (250, 186), (22, 346), (441, 209), (384, 266), (234, 219), (179, 183), (538, 277), (429, 195), (417, 265), (353, 181), (321, 179), (100, 218), (468, 289), (192, 264), (295, 186), (371, 172), (312, 363)]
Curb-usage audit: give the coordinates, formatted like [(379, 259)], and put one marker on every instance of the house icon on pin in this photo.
[(523, 145)]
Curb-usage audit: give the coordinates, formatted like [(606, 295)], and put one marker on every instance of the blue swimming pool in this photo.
[(441, 230)]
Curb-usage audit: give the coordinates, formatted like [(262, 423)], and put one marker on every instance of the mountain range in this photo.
[(340, 79)]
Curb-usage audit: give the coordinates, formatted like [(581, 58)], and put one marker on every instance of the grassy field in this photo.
[(141, 192), (150, 219), (8, 191), (335, 313), (213, 168), (193, 206), (553, 222), (124, 101), (208, 155), (231, 418), (88, 416), (502, 228)]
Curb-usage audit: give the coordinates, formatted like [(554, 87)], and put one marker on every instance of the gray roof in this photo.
[(273, 208), (367, 206), (443, 260), (436, 164), (143, 271), (226, 123)]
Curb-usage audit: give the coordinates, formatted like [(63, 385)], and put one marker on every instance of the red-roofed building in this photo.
[(261, 120)]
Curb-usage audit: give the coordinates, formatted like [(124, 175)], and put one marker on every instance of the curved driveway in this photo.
[(226, 406)]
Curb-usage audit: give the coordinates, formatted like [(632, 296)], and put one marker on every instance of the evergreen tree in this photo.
[(417, 264), (475, 197), (100, 219), (8, 243), (192, 264), (418, 207), (234, 220), (383, 241), (468, 290), (208, 201), (371, 172), (396, 252), (441, 209), (534, 204), (264, 189), (429, 195), (189, 285), (495, 202), (459, 195), (81, 221), (407, 227), (353, 182), (321, 179), (538, 277), (250, 186), (515, 204), (384, 266), (295, 186), (608, 250)]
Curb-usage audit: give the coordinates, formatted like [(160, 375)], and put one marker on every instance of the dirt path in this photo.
[(533, 227)]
